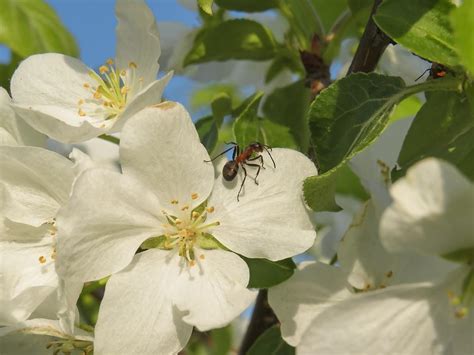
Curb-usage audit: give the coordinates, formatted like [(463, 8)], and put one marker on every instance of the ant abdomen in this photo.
[(230, 169)]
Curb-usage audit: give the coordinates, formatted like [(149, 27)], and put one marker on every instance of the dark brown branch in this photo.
[(262, 319), (371, 46)]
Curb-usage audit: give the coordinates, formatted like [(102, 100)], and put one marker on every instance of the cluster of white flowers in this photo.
[(167, 229), (168, 234)]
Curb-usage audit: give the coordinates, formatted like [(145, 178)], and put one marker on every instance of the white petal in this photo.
[(107, 218), (270, 220), (431, 212), (59, 123), (37, 182), (383, 154), (297, 301), (172, 36), (136, 315), (151, 95), (13, 130), (332, 226), (50, 79), (396, 320), (214, 291), (463, 330), (137, 39), (25, 282), (67, 296), (161, 148), (370, 266)]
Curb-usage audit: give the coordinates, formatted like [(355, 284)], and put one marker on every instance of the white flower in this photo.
[(63, 98), (34, 183), (43, 336), (167, 191), (412, 291), (13, 130)]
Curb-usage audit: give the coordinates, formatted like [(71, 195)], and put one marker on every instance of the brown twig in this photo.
[(262, 319), (371, 46)]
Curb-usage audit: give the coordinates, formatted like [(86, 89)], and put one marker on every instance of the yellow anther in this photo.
[(42, 259), (210, 209), (389, 274), (123, 73), (124, 90), (53, 255), (461, 312), (192, 263), (81, 102), (81, 113), (185, 207), (109, 61), (195, 215), (103, 69), (97, 95), (174, 202), (140, 79), (382, 286), (178, 221), (202, 257), (455, 301), (194, 196), (132, 65), (87, 86)]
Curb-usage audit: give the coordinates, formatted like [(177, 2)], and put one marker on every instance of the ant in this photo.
[(436, 71), (250, 153)]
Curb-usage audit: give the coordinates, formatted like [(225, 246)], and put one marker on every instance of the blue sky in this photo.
[(92, 22)]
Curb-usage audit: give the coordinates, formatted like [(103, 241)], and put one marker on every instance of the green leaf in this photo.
[(350, 113), (358, 5), (208, 132), (271, 343), (407, 108), (320, 191), (265, 273), (247, 5), (246, 127), (201, 97), (348, 183), (303, 19), (462, 20), (221, 106), (233, 39), (422, 26), (347, 117), (221, 341), (329, 11), (32, 26), (206, 6), (443, 128), (276, 135), (288, 106)]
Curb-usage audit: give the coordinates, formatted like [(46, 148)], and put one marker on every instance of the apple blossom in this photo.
[(169, 201), (34, 184), (420, 304), (13, 130), (63, 98)]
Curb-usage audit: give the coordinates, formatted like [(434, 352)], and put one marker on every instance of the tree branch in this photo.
[(371, 46), (262, 319)]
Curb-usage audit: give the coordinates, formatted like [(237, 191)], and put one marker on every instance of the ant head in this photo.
[(256, 146)]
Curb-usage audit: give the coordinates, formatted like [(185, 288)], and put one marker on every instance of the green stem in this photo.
[(110, 139)]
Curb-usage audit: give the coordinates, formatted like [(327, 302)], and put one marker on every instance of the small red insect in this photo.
[(436, 71), (250, 153)]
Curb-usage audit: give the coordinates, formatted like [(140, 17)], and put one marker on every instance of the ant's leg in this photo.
[(257, 157), (268, 152), (225, 151), (258, 170), (243, 182), (236, 152)]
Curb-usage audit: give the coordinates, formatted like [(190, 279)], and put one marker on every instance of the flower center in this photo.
[(189, 231), (108, 97)]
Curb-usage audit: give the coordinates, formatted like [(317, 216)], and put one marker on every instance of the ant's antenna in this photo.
[(268, 149), (427, 70)]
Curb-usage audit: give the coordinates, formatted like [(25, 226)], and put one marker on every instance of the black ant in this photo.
[(250, 153)]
